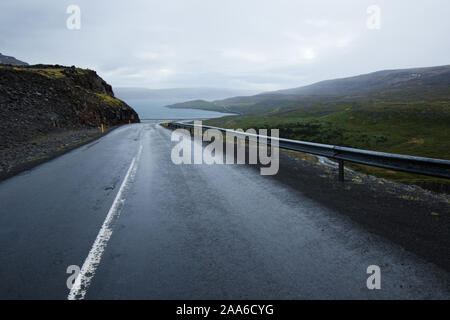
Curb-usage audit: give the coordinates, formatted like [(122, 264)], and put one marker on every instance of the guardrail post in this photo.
[(341, 170)]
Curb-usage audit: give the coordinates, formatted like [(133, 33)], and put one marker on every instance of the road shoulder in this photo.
[(25, 156), (416, 219)]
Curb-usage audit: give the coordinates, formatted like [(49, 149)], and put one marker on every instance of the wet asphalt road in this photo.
[(188, 232)]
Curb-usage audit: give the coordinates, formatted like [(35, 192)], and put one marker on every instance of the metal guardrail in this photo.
[(419, 165)]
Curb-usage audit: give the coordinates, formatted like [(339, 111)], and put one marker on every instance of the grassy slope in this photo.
[(396, 111), (389, 126)]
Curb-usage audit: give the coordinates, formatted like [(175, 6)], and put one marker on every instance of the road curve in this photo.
[(186, 232)]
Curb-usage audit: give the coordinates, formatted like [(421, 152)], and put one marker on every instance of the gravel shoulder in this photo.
[(415, 218), (18, 157)]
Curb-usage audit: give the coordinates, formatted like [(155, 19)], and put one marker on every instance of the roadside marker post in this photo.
[(103, 130), (341, 170)]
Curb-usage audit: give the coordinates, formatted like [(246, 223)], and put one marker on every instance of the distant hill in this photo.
[(375, 80), (11, 61), (403, 84), (397, 111), (200, 105), (178, 93)]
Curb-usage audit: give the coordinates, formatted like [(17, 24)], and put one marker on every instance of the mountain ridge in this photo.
[(11, 61), (373, 80), (396, 85)]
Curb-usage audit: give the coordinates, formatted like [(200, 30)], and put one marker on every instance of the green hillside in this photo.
[(412, 118)]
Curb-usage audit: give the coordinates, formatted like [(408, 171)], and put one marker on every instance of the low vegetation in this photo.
[(112, 101), (52, 73), (411, 118)]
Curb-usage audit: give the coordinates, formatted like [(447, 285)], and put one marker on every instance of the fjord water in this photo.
[(156, 109)]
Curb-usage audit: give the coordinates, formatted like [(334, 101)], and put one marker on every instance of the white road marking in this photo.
[(83, 280)]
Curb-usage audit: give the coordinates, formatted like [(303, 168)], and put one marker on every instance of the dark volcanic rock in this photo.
[(41, 99)]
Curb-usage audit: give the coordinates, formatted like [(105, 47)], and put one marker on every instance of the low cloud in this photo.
[(252, 44)]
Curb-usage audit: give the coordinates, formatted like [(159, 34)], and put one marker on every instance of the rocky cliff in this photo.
[(41, 99)]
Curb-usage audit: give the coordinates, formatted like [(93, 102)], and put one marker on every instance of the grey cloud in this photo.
[(252, 44)]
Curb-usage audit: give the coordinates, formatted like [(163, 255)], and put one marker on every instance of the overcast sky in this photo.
[(241, 44)]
